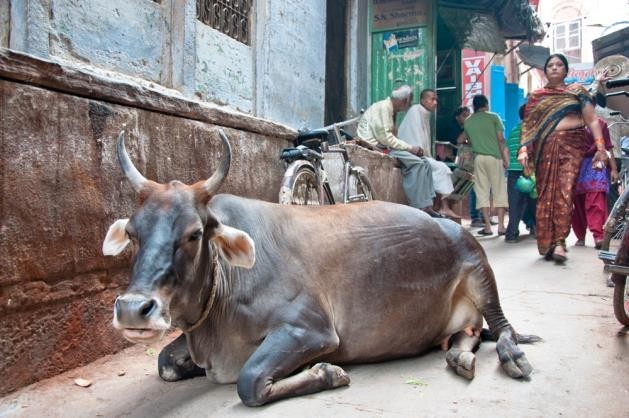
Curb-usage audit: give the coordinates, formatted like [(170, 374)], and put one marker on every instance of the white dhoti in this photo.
[(441, 177), (415, 129)]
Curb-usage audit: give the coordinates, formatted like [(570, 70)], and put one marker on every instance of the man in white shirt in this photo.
[(415, 130), (377, 126)]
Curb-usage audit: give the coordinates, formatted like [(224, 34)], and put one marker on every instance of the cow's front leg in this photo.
[(265, 375), (175, 363), (460, 356)]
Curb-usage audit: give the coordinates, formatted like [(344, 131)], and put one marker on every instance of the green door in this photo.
[(402, 46), (401, 57)]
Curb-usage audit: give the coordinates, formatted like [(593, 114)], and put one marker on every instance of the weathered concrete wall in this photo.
[(224, 69), (290, 62), (281, 76), (4, 24), (126, 36), (61, 187)]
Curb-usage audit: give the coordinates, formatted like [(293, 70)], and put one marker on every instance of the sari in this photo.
[(557, 156)]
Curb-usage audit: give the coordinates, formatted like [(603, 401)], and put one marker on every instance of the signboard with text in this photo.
[(393, 14), (394, 41), (475, 79)]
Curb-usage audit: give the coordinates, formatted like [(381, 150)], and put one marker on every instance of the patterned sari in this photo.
[(557, 156)]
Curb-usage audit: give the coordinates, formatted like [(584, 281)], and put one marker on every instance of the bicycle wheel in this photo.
[(621, 299), (360, 189), (301, 188)]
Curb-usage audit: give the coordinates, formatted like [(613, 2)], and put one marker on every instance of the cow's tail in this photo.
[(485, 335)]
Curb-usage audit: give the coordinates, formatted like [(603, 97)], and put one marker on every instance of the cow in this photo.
[(273, 297)]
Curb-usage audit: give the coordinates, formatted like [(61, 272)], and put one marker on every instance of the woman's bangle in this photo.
[(600, 144)]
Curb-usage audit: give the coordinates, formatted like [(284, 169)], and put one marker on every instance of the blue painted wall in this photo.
[(505, 98)]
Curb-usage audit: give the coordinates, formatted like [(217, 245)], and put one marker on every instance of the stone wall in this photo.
[(61, 188)]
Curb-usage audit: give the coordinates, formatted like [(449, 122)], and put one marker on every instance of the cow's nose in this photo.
[(134, 311)]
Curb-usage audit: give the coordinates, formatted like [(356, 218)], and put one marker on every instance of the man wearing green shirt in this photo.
[(491, 157)]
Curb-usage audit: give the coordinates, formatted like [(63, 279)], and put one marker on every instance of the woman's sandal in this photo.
[(559, 258)]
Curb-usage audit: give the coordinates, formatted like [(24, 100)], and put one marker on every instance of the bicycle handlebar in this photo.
[(341, 124), (617, 83)]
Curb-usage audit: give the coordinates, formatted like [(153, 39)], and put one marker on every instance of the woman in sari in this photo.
[(552, 139)]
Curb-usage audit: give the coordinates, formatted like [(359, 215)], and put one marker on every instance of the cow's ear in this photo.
[(236, 246), (117, 238)]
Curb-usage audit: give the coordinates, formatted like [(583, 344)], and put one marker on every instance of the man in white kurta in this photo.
[(415, 130), (377, 127)]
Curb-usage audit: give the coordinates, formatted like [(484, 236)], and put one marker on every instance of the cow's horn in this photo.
[(138, 181), (214, 182)]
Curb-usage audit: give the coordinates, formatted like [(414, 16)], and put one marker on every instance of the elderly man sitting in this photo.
[(377, 127), (415, 130)]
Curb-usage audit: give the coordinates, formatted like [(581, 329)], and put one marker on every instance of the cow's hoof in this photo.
[(462, 362), (517, 367), (512, 359), (177, 366), (334, 375)]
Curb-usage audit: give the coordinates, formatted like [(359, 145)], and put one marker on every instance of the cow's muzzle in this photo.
[(140, 318)]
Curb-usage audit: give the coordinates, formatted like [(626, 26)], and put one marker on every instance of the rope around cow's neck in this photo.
[(210, 302)]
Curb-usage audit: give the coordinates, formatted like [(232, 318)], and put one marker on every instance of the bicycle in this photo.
[(615, 246), (305, 181)]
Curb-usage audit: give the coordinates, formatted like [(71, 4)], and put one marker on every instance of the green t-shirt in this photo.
[(482, 129), (513, 142)]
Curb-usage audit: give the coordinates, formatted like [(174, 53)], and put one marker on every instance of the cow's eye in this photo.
[(196, 235)]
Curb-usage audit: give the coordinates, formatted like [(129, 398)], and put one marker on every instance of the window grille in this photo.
[(228, 16)]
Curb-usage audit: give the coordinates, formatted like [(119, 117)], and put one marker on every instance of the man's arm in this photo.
[(384, 133), (504, 149)]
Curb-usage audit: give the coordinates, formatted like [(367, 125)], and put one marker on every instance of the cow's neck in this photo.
[(210, 301)]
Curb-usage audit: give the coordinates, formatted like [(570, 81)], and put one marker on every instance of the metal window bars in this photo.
[(231, 17)]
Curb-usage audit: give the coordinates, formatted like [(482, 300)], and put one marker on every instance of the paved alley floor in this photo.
[(581, 369)]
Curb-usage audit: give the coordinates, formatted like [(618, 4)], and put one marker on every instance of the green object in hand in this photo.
[(525, 184)]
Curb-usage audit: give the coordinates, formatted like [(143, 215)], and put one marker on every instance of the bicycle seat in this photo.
[(312, 138)]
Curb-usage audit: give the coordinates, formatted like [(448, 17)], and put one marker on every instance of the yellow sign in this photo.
[(392, 14)]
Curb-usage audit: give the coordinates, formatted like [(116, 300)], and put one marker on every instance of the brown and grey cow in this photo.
[(262, 290)]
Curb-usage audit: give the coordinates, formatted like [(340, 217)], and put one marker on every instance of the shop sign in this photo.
[(583, 75), (474, 79), (390, 14), (394, 41)]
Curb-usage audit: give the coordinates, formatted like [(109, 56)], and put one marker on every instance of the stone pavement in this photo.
[(581, 369)]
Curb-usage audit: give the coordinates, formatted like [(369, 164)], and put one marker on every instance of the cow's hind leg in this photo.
[(265, 377), (174, 362), (460, 356), (482, 290)]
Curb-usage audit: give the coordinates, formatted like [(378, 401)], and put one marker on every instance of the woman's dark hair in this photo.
[(479, 101), (521, 111), (561, 57)]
